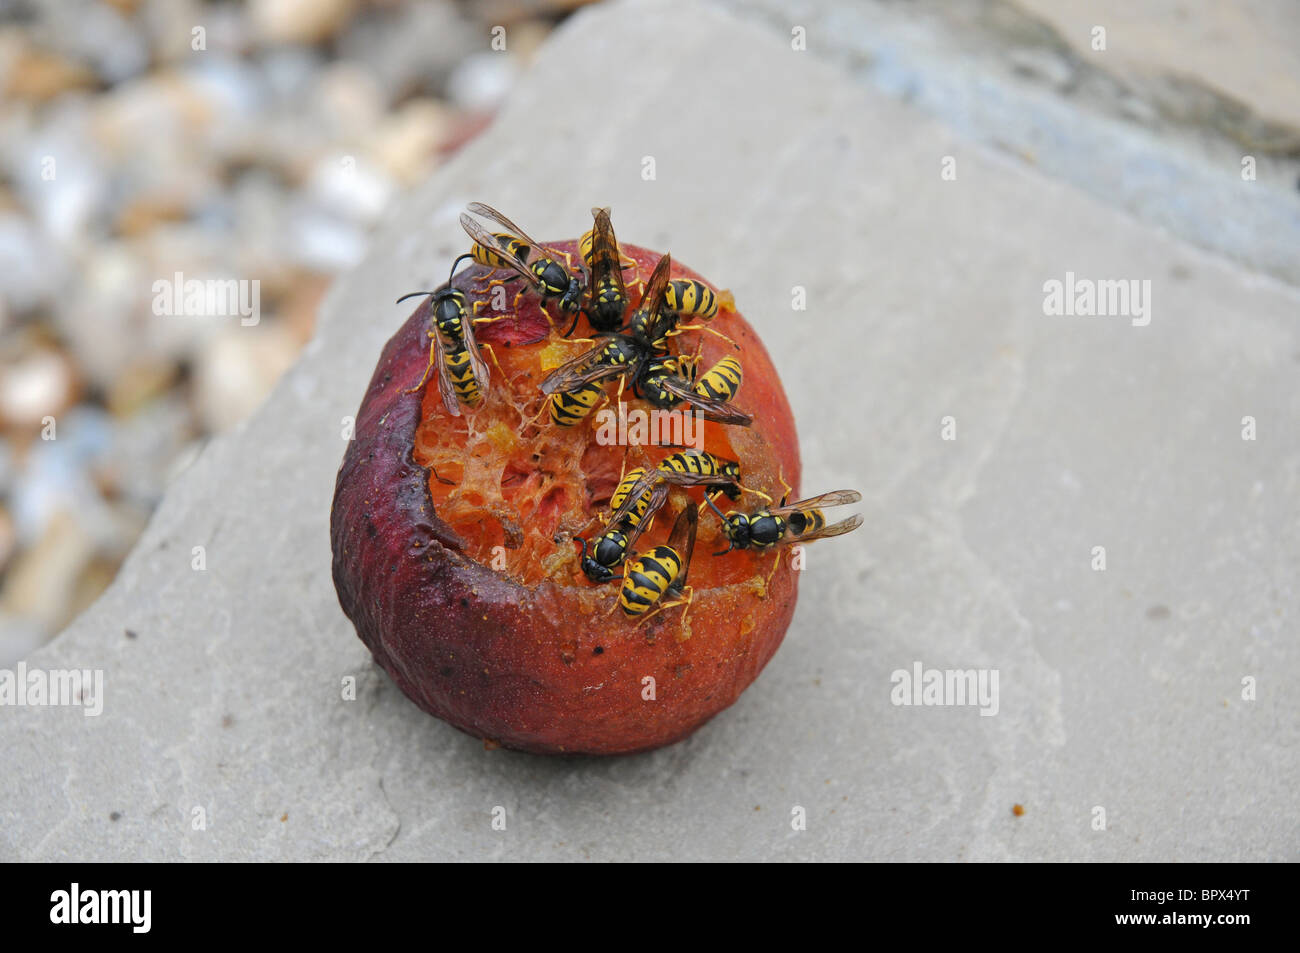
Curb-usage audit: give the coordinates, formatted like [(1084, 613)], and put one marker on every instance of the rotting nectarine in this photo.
[(454, 554)]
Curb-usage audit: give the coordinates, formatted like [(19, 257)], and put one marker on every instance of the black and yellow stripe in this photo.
[(635, 515), (700, 463), (609, 297), (568, 408), (647, 579), (687, 296), (625, 487), (722, 381), (657, 371), (806, 521), (496, 257), (460, 371)]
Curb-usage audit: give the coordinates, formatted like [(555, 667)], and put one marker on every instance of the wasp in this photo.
[(619, 354), (800, 522), (608, 298), (461, 371), (610, 548), (644, 496), (534, 262), (638, 356), (667, 381), (661, 572)]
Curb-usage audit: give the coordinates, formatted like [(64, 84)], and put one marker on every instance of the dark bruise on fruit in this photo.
[(530, 656)]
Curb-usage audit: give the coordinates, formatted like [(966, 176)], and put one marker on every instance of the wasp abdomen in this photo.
[(648, 578), (568, 408), (686, 296), (722, 381), (806, 521)]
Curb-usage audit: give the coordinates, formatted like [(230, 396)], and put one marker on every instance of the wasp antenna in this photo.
[(713, 506), (452, 273), (574, 325), (413, 294)]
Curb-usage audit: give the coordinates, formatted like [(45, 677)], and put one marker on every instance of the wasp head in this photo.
[(606, 552)]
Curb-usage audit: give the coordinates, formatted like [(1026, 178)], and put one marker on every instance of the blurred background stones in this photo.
[(139, 139)]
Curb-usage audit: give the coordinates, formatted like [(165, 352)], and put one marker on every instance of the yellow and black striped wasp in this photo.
[(639, 356), (461, 371), (574, 389), (534, 262), (644, 497), (607, 294), (661, 572), (799, 522), (667, 381), (610, 548)]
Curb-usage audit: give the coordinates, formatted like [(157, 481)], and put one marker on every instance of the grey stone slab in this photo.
[(1119, 689)]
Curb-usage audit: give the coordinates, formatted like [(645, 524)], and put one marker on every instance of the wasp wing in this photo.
[(438, 356), (716, 410), (488, 212), (658, 495), (682, 539), (833, 498), (482, 236), (656, 289), (606, 261), (582, 370), (834, 529), (476, 362)]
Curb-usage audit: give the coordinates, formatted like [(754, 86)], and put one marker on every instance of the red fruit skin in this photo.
[(544, 669)]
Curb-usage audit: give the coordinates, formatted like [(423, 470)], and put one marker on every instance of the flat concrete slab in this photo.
[(224, 733)]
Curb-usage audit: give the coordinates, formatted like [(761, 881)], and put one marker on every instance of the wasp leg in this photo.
[(767, 583), (493, 354), (573, 327), (669, 605), (486, 281), (483, 304), (546, 405), (433, 356), (622, 466), (701, 327), (780, 475)]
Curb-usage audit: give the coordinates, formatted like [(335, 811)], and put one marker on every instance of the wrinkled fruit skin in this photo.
[(546, 669)]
